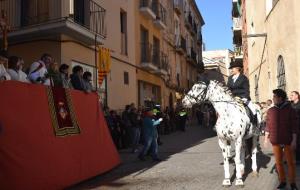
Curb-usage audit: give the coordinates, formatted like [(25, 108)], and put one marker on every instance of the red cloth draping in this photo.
[(32, 157)]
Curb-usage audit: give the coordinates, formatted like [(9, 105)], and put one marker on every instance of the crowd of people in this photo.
[(143, 126), (45, 71)]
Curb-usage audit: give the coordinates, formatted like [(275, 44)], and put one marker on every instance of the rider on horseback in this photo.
[(238, 83)]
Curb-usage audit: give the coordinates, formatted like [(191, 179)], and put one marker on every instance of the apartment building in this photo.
[(170, 50), (156, 45), (69, 30), (273, 39)]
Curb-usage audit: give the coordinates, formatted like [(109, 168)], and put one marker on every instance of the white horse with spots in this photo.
[(233, 125)]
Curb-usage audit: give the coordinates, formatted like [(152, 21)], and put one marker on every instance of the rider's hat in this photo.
[(235, 63)]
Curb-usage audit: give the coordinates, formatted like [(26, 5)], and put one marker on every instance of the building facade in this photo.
[(156, 45), (169, 49), (273, 38)]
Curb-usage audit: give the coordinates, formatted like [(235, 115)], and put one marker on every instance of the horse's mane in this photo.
[(227, 91)]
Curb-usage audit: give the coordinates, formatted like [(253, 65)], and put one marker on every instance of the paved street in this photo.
[(192, 160)]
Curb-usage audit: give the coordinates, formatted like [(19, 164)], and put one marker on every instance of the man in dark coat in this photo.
[(281, 130), (295, 99)]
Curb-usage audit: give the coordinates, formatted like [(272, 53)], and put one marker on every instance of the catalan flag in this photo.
[(104, 63)]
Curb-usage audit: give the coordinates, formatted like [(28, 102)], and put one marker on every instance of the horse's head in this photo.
[(196, 95)]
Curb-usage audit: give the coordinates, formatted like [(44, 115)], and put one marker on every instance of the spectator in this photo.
[(3, 62), (54, 75), (281, 130), (269, 103), (15, 65), (182, 117), (264, 110), (150, 136), (64, 75), (38, 72), (136, 121), (295, 99), (87, 78), (77, 78), (115, 128), (127, 125)]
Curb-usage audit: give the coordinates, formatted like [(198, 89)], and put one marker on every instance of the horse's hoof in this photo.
[(254, 174), (239, 183), (226, 183)]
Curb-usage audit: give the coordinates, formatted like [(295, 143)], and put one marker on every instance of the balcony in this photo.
[(237, 24), (163, 65), (238, 52), (44, 18), (160, 12), (178, 6), (194, 28), (146, 8), (149, 57), (180, 44), (189, 21), (191, 56)]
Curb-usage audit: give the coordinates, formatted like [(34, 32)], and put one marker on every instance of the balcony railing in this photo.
[(146, 53), (164, 64), (87, 14), (156, 56), (150, 57), (237, 24), (161, 15)]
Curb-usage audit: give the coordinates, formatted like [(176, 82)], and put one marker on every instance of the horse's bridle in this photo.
[(201, 96)]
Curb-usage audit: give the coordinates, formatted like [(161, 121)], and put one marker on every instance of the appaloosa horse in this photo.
[(233, 125)]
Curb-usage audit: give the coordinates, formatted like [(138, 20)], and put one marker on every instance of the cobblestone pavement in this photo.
[(192, 160)]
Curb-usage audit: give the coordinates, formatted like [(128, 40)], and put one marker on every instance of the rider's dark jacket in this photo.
[(240, 87)]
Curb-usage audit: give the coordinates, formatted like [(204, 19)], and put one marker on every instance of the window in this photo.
[(281, 73), (145, 47), (126, 78), (34, 12), (156, 51), (123, 22)]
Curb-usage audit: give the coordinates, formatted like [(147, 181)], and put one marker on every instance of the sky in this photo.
[(217, 32)]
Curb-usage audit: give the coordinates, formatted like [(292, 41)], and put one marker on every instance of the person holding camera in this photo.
[(38, 73)]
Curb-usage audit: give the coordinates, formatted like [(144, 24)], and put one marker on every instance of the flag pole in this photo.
[(96, 65)]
